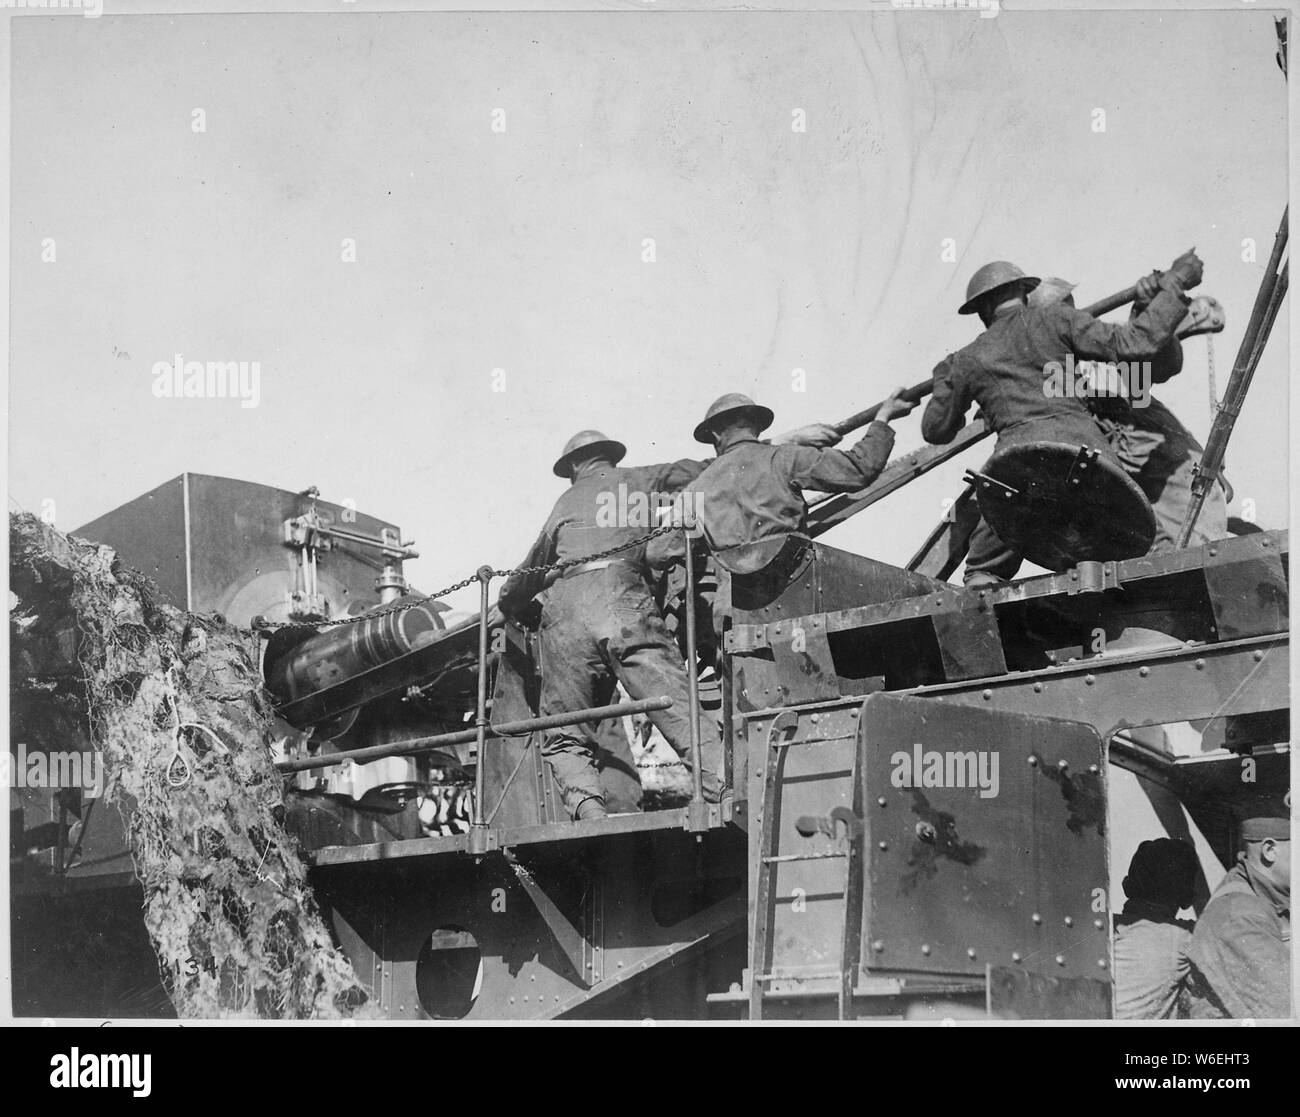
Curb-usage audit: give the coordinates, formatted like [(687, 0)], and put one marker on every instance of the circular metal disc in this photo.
[(1071, 505)]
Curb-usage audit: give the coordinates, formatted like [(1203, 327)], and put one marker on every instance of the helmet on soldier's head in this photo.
[(992, 276), (727, 405), (586, 442)]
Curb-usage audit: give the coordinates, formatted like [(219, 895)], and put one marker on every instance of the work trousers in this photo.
[(600, 628), (1163, 465)]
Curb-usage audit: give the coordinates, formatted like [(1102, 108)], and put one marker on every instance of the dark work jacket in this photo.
[(1240, 952), (1003, 369), (1155, 417), (754, 490), (605, 505)]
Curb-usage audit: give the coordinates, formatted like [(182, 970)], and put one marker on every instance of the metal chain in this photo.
[(561, 566)]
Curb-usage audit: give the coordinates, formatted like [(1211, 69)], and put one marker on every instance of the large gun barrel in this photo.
[(300, 663)]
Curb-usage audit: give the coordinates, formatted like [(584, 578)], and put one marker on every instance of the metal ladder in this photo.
[(842, 824)]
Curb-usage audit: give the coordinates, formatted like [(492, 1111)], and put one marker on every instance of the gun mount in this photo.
[(934, 790)]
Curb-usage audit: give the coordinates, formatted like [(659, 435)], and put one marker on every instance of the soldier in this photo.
[(753, 491), (1151, 444), (1241, 949), (598, 622), (1150, 940), (1004, 371)]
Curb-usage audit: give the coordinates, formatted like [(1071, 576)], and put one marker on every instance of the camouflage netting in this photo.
[(176, 707)]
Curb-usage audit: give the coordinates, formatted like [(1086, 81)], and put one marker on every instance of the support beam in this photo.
[(836, 509)]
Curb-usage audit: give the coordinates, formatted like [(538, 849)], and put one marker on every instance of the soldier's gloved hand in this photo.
[(1147, 288), (1186, 270), (816, 435), (895, 406)]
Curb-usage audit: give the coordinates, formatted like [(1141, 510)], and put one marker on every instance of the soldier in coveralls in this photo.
[(750, 498), (599, 624), (1003, 370)]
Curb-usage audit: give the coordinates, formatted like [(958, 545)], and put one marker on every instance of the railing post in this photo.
[(478, 834), (698, 815)]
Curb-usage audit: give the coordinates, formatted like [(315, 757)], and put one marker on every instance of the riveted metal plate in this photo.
[(985, 840), (1247, 587)]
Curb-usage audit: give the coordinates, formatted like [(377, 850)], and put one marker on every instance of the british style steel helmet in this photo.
[(727, 405), (992, 276), (586, 441)]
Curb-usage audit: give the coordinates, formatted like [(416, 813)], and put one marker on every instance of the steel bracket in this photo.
[(1093, 577), (989, 485)]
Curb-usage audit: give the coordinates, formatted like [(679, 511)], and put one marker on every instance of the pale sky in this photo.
[(523, 250)]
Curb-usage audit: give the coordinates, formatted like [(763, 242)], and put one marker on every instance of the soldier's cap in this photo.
[(1050, 291), (1262, 827), (992, 276), (585, 442), (730, 404)]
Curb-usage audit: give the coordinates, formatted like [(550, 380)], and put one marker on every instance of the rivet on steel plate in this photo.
[(1038, 688), (1094, 769), (987, 695), (882, 801), (925, 948), (1089, 679), (1063, 764), (1036, 917), (1200, 664), (884, 845), (1144, 671), (1069, 921), (877, 946), (970, 952), (1033, 761), (1098, 924), (1015, 956), (1101, 962), (1258, 656), (1060, 959)]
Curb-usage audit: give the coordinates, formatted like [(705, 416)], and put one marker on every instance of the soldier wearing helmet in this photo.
[(598, 623), (750, 498), (1004, 369)]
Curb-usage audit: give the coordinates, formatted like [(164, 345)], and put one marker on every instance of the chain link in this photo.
[(566, 564)]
